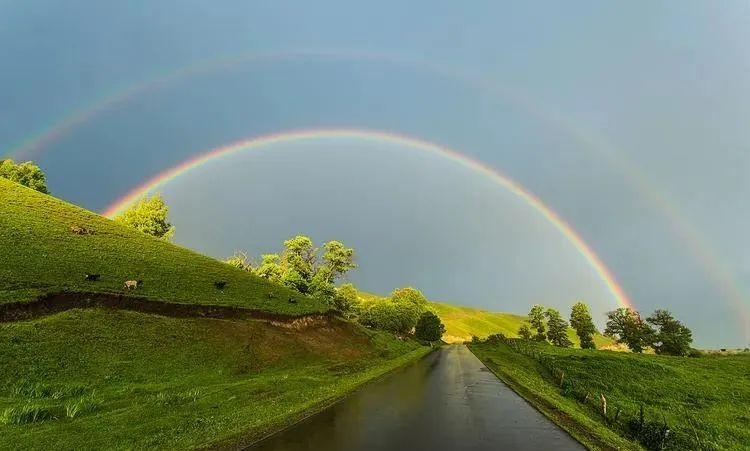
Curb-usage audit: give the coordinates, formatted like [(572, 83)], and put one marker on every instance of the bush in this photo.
[(429, 327)]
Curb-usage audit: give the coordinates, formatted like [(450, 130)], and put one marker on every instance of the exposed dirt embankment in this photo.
[(60, 302)]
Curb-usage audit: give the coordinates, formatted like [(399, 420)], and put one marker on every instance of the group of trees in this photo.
[(306, 269), (314, 271), (661, 331), (549, 325), (27, 174)]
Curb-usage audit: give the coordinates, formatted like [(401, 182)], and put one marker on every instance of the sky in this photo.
[(629, 120)]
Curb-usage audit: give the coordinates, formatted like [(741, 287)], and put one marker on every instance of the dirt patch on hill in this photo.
[(60, 302)]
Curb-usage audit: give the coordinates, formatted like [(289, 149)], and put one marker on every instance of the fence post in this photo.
[(604, 404)]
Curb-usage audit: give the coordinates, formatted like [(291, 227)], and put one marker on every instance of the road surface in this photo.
[(447, 401)]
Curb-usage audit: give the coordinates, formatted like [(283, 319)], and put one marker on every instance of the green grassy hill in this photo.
[(704, 401), (39, 254), (99, 378)]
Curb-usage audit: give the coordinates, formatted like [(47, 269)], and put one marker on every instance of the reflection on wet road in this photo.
[(446, 401)]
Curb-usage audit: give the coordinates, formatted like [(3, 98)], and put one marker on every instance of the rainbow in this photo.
[(371, 135)]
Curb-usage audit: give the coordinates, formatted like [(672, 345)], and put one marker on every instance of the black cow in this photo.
[(92, 277), (292, 301), (220, 285)]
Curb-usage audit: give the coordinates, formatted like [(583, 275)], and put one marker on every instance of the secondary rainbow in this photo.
[(258, 143)]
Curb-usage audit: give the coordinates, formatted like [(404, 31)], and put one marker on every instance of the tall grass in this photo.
[(26, 414)]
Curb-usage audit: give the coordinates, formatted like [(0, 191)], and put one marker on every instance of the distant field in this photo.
[(461, 323), (704, 401), (147, 381), (39, 255)]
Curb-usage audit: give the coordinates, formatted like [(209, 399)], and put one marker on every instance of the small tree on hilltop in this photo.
[(239, 260), (525, 332), (671, 337), (149, 215), (429, 327), (557, 329), (536, 319), (27, 174), (581, 322), (626, 326), (338, 258)]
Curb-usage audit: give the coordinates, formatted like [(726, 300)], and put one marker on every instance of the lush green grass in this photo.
[(705, 401), (39, 254), (99, 378)]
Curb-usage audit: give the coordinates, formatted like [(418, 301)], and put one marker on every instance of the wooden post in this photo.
[(562, 378), (604, 404)]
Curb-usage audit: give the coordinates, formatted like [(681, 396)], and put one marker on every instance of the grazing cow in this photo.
[(220, 285), (133, 284), (292, 301), (92, 277)]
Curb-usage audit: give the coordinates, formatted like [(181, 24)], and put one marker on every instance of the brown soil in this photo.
[(60, 302)]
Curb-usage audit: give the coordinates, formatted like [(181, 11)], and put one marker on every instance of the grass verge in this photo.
[(702, 402)]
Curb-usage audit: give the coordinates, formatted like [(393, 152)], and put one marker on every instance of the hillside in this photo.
[(172, 365), (39, 255), (703, 401)]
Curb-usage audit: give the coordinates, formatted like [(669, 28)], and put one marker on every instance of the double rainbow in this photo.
[(257, 143)]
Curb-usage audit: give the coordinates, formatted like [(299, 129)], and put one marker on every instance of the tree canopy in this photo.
[(557, 329), (429, 327), (27, 174), (627, 326), (583, 324), (149, 215), (670, 336), (536, 319)]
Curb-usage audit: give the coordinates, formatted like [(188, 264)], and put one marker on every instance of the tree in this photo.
[(670, 337), (557, 329), (412, 304), (297, 263), (239, 260), (149, 215), (338, 258), (346, 298), (525, 332), (269, 268), (429, 327), (536, 319), (321, 284), (27, 174), (626, 326), (581, 322)]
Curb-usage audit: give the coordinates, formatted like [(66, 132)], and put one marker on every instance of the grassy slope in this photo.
[(707, 397), (151, 381), (39, 254), (178, 383)]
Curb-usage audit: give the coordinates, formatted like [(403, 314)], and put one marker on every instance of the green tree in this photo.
[(149, 215), (297, 263), (583, 324), (27, 174), (536, 319), (270, 268), (670, 337), (429, 327), (412, 304), (338, 258), (525, 332), (626, 326), (321, 284), (346, 298), (239, 260), (557, 329)]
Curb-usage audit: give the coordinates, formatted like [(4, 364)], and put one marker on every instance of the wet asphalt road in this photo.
[(447, 401)]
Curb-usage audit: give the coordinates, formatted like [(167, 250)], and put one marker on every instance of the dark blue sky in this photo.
[(630, 120)]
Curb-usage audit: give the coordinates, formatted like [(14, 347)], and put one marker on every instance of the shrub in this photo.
[(429, 327)]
